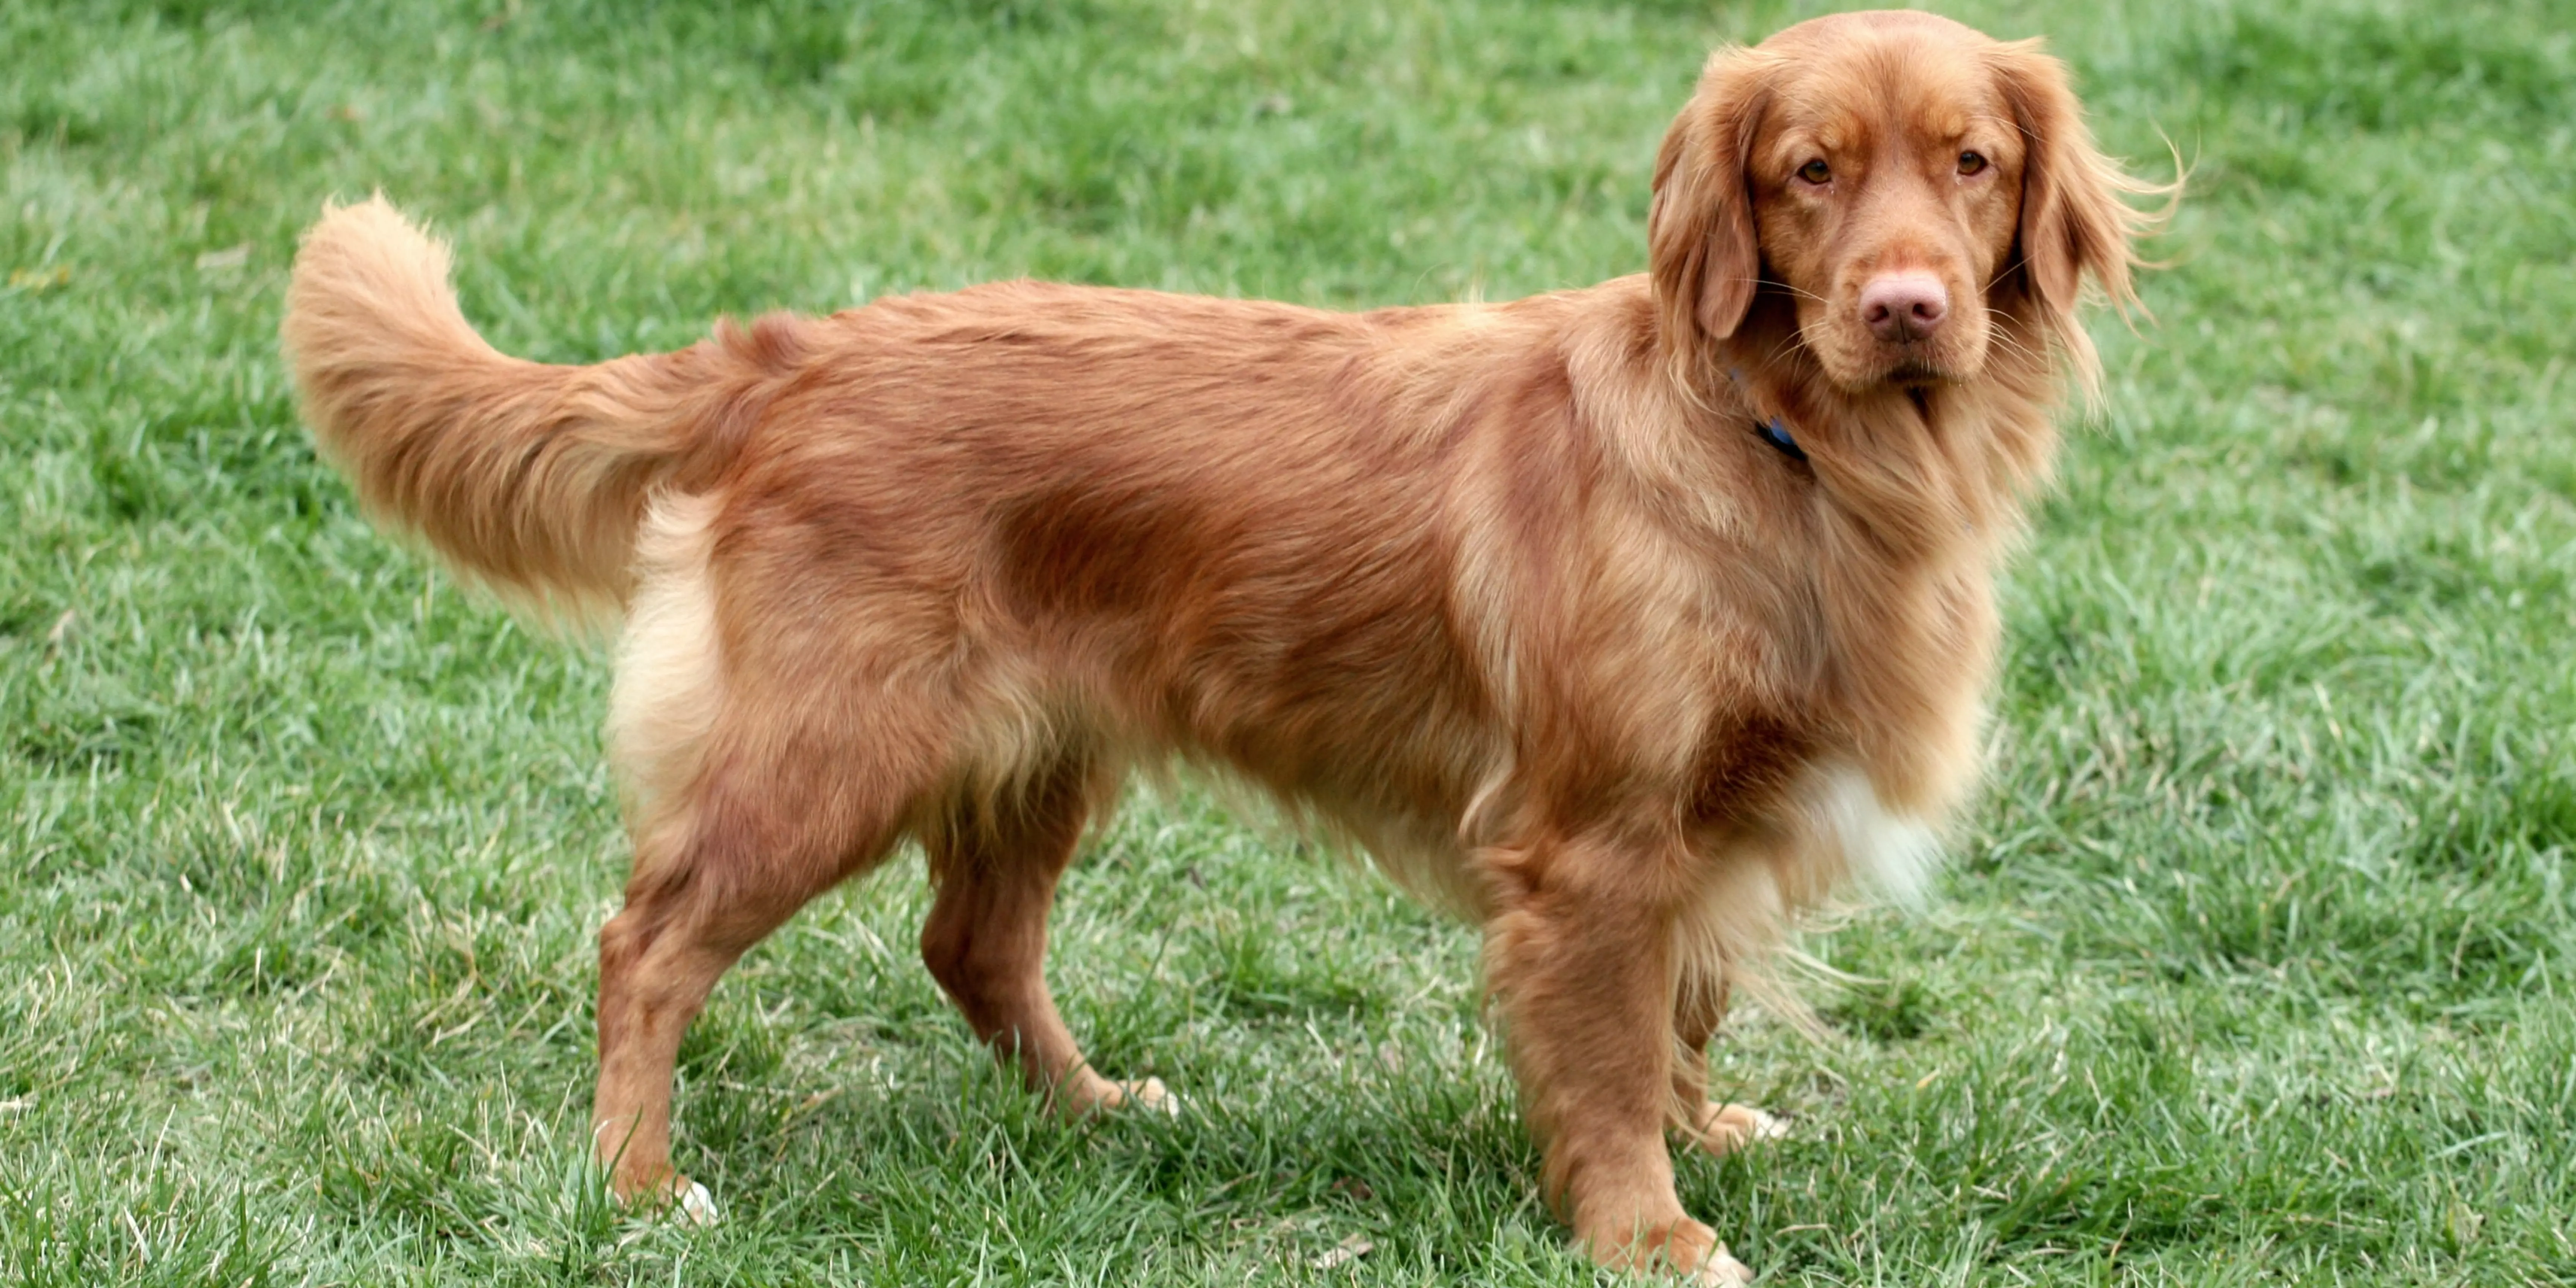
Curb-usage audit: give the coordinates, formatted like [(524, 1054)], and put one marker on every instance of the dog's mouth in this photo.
[(1916, 370), (1860, 367), (1857, 361), (1954, 357)]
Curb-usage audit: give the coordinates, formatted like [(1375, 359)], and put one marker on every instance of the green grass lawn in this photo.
[(2252, 966)]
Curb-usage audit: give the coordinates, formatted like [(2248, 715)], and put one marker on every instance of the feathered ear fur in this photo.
[(2073, 221), (1704, 254)]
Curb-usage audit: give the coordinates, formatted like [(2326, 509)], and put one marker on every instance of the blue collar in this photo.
[(1776, 432)]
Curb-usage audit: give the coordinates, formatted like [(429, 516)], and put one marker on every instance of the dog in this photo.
[(1628, 621)]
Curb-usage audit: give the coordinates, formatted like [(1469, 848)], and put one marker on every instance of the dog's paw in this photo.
[(694, 1206), (675, 1198), (1683, 1249), (1151, 1095), (1724, 1129), (1720, 1269), (1088, 1093)]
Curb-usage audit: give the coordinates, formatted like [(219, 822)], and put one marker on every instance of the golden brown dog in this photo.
[(1627, 620)]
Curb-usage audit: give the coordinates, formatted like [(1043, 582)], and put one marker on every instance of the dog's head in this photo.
[(1900, 179)]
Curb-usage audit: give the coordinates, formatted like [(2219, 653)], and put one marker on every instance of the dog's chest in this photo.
[(1887, 851), (1748, 762)]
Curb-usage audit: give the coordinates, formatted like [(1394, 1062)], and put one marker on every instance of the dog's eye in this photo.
[(1815, 172), (1970, 163)]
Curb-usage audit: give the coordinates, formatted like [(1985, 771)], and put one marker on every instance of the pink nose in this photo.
[(1902, 307)]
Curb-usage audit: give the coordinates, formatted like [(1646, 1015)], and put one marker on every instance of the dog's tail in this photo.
[(528, 478)]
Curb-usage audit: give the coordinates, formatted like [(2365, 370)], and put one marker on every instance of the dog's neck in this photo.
[(1925, 474), (1919, 492)]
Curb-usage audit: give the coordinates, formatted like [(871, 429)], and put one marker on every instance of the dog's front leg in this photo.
[(1578, 953)]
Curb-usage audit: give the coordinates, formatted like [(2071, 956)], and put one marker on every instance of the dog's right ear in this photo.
[(1703, 252)]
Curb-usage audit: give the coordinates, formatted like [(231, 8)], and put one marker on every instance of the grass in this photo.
[(2252, 966)]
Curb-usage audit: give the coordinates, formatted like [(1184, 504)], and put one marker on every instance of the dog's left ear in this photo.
[(2073, 221), (1704, 254)]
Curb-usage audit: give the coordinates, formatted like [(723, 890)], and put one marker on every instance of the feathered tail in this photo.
[(526, 477)]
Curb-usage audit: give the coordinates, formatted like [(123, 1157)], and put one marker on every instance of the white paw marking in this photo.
[(1763, 1126), (697, 1207), (1724, 1129), (1153, 1095)]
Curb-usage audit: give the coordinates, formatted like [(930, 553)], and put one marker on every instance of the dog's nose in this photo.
[(1900, 307)]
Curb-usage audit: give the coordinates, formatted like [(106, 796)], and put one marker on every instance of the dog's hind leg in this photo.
[(996, 863), (785, 801), (1718, 1129)]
